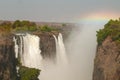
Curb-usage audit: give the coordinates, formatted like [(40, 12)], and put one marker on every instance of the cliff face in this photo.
[(7, 54), (7, 58), (107, 61), (47, 44)]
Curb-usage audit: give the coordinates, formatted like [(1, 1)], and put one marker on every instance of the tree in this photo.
[(17, 23), (26, 73)]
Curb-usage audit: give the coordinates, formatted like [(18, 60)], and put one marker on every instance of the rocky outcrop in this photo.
[(107, 61), (7, 58), (47, 44)]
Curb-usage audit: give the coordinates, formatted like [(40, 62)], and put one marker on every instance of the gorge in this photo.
[(61, 52)]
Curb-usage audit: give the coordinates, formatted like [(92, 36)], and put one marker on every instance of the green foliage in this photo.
[(21, 29), (24, 23), (63, 24), (26, 73), (24, 26), (5, 27), (21, 26), (46, 28), (17, 23), (112, 28)]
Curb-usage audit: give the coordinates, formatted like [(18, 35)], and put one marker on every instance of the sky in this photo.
[(59, 10)]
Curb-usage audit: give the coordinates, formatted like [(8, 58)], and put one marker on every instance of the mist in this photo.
[(81, 49)]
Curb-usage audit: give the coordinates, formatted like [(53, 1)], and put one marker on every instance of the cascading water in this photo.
[(55, 71), (81, 54), (60, 50), (16, 47), (31, 55), (28, 50), (81, 47)]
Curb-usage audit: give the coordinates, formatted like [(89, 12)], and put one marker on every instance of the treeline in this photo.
[(7, 26), (112, 29), (24, 26)]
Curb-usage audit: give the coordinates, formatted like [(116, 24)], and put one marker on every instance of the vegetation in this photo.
[(24, 26), (63, 24), (26, 73), (18, 26), (46, 28), (112, 28), (5, 27)]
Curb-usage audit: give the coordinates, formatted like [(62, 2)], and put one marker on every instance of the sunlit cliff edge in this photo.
[(107, 60)]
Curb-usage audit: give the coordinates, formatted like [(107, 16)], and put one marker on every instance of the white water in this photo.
[(54, 71), (61, 56), (16, 47), (29, 51), (21, 49), (31, 55), (81, 47)]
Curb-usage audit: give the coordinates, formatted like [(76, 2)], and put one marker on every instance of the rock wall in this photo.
[(47, 44), (7, 58), (7, 54), (107, 61)]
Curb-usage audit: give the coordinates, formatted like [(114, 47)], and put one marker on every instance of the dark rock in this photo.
[(47, 44), (7, 58)]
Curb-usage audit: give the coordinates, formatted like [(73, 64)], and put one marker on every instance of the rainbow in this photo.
[(99, 17)]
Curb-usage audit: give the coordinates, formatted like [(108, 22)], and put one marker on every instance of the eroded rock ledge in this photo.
[(107, 61)]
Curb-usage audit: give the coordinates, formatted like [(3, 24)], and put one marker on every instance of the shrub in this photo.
[(63, 24), (24, 26), (112, 28), (26, 73), (46, 28), (16, 24), (21, 26)]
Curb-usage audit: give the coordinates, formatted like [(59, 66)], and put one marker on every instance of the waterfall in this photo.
[(16, 47), (56, 71), (60, 50), (28, 50), (32, 57)]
